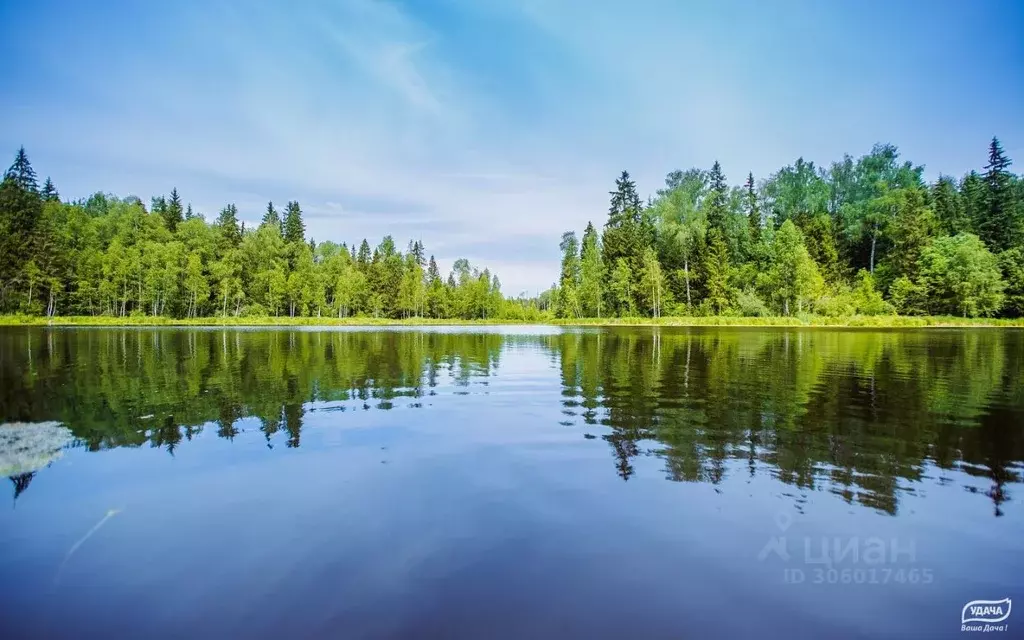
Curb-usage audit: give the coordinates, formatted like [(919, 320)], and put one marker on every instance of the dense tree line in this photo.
[(114, 256), (861, 236)]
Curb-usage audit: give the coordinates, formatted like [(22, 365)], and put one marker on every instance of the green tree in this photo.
[(271, 217), (627, 232), (652, 283), (294, 230), (227, 227), (753, 210), (973, 196), (715, 205), (715, 269), (592, 274), (569, 282), (22, 173), (999, 227), (49, 192), (948, 206), (621, 287), (1012, 263), (173, 214), (909, 231), (681, 225), (961, 276), (196, 285), (436, 293), (793, 279)]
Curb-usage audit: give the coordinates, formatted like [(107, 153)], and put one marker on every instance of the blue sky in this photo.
[(488, 127)]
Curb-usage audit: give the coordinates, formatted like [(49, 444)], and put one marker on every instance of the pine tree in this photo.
[(418, 253), (717, 292), (294, 228), (20, 210), (363, 257), (948, 206), (189, 214), (227, 226), (972, 197), (716, 203), (23, 173), (753, 211), (271, 216), (625, 202), (158, 205), (627, 232), (49, 192), (173, 214), (998, 226)]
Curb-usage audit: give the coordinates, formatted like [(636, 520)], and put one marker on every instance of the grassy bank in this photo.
[(710, 321)]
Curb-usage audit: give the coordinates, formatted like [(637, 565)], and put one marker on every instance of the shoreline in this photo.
[(879, 322)]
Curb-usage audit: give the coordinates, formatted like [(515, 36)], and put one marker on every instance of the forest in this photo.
[(861, 237), (114, 256)]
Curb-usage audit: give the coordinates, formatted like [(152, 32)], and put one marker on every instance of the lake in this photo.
[(508, 482)]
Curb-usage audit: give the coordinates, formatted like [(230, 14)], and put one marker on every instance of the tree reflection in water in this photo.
[(863, 414)]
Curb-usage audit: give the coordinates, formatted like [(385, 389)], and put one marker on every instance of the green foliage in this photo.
[(749, 304), (1001, 224), (109, 256), (846, 240), (592, 274), (1011, 262), (908, 297), (569, 282), (715, 273), (793, 280), (961, 277), (621, 287)]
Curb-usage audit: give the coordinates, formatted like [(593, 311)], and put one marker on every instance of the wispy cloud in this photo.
[(484, 129)]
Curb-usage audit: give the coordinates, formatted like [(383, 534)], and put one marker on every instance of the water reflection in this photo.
[(866, 415)]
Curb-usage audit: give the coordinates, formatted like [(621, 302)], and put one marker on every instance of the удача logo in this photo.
[(989, 611)]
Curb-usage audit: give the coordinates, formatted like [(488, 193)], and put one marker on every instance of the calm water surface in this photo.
[(508, 482)]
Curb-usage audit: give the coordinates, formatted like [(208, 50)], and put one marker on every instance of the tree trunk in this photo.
[(686, 271), (874, 239)]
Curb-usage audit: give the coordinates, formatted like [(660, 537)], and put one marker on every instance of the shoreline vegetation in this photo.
[(860, 242), (856, 321)]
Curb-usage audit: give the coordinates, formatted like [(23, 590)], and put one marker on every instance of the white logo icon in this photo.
[(985, 611)]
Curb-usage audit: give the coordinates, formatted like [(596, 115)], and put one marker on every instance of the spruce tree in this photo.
[(625, 202), (716, 205), (20, 210), (189, 214), (998, 225), (23, 173), (972, 197), (627, 232), (717, 292), (293, 227), (753, 211), (364, 257), (948, 207), (173, 214), (271, 216), (227, 226), (433, 273), (49, 192)]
